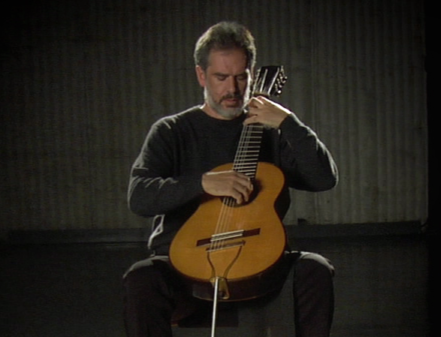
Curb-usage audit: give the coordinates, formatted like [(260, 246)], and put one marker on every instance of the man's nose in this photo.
[(233, 85)]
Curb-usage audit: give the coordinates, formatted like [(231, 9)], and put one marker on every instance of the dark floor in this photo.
[(74, 290)]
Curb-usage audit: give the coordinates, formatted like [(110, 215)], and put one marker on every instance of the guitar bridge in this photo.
[(226, 246), (226, 236)]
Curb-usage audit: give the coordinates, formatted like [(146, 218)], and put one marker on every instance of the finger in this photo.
[(251, 119), (254, 102), (263, 100), (238, 197), (240, 187), (245, 189), (241, 194), (244, 179)]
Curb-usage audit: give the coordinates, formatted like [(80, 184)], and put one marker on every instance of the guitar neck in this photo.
[(247, 154), (269, 81)]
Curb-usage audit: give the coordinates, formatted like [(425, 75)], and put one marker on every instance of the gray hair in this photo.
[(223, 36)]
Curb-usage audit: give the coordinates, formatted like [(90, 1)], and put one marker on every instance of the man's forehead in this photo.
[(225, 60)]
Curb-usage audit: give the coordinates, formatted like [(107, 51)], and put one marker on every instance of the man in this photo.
[(174, 170)]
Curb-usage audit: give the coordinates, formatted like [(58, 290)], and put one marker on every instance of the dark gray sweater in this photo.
[(166, 176)]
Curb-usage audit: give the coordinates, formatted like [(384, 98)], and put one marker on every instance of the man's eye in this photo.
[(221, 78)]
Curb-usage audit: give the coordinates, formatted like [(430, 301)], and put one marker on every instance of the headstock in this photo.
[(269, 81)]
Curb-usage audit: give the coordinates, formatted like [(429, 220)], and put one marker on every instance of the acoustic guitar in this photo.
[(233, 252)]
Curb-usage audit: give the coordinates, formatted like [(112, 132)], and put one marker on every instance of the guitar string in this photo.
[(251, 156), (243, 156), (225, 207), (228, 204), (247, 154)]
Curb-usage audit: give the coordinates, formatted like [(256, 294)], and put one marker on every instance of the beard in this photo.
[(228, 113)]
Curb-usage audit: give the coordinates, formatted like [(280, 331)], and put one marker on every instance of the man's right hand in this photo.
[(228, 184)]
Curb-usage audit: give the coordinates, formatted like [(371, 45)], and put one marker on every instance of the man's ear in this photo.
[(201, 76)]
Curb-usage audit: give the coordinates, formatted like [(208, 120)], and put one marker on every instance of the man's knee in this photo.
[(312, 263), (149, 279), (140, 281)]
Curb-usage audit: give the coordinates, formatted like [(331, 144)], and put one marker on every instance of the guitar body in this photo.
[(243, 246)]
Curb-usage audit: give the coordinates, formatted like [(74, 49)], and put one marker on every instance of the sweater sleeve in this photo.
[(307, 163), (155, 187)]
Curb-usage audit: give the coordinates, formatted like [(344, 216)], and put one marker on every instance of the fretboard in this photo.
[(247, 154)]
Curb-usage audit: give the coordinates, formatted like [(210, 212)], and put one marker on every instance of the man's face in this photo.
[(226, 83)]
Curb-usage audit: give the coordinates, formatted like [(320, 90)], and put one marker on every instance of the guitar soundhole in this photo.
[(231, 202)]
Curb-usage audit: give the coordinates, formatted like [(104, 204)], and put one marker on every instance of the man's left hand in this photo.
[(264, 111)]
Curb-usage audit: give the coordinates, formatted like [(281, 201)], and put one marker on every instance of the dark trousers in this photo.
[(153, 293)]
